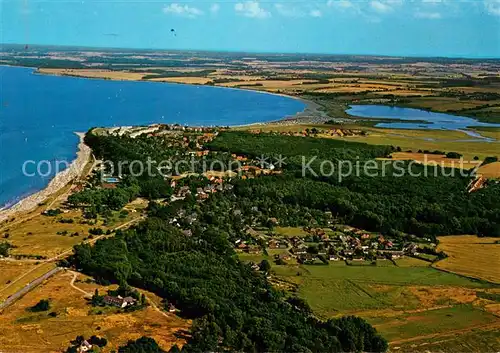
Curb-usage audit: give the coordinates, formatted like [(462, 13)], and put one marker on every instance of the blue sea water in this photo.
[(39, 115), (433, 121)]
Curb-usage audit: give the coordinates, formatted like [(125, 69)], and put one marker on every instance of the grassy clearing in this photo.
[(290, 232), (431, 322), (391, 275), (478, 340), (27, 332), (471, 256), (411, 262), (38, 235)]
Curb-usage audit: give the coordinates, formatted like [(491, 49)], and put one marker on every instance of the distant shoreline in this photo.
[(59, 181), (310, 112)]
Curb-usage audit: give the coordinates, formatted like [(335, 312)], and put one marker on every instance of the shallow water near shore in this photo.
[(39, 115), (422, 119)]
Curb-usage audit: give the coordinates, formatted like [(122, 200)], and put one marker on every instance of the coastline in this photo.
[(59, 181), (312, 112), (30, 202)]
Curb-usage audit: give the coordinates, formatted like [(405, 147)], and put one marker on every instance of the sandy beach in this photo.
[(58, 182)]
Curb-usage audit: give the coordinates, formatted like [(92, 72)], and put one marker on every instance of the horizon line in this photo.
[(458, 57)]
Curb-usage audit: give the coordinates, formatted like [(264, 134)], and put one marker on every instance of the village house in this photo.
[(85, 346), (171, 308), (119, 301)]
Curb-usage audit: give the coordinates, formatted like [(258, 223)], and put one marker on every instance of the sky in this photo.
[(452, 28)]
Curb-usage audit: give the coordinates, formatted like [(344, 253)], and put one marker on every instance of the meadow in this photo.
[(411, 303)]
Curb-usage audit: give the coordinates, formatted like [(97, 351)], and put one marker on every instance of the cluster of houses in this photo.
[(347, 243), (202, 193)]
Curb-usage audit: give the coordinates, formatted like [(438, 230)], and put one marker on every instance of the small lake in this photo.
[(422, 119), (39, 115)]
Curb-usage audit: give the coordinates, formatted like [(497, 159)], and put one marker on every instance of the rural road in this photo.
[(29, 287)]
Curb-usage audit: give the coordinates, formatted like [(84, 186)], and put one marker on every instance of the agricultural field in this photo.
[(491, 170), (433, 159), (471, 256), (26, 331), (408, 301)]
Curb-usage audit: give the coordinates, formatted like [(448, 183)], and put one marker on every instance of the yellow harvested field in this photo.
[(471, 256), (293, 84), (491, 170), (432, 296), (187, 80), (10, 270), (95, 73), (23, 331), (26, 273), (354, 88), (406, 93), (435, 159)]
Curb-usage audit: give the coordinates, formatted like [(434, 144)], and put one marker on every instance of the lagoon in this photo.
[(422, 119), (39, 115)]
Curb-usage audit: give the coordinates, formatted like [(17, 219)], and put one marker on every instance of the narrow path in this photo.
[(72, 284)]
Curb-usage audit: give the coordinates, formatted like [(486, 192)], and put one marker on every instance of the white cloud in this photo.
[(492, 7), (380, 6), (385, 6), (428, 15), (315, 13), (214, 8), (251, 9), (343, 4), (288, 11), (182, 10)]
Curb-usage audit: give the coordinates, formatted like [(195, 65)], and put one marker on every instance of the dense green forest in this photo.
[(431, 201), (184, 250), (233, 307), (294, 148)]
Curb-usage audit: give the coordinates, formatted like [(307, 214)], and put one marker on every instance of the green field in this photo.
[(434, 321), (337, 288), (409, 303), (424, 276), (475, 340)]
